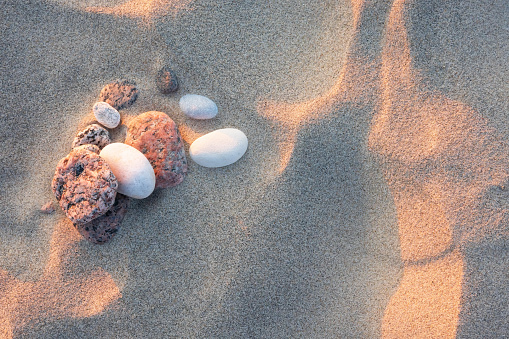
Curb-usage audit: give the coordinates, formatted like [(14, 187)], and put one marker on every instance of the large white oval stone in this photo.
[(219, 148), (135, 175), (198, 107), (106, 115)]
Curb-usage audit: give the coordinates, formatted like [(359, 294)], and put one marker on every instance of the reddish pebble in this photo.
[(84, 185), (157, 136), (119, 94)]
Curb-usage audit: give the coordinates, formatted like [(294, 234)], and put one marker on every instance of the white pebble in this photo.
[(198, 107), (219, 148), (135, 175), (106, 115)]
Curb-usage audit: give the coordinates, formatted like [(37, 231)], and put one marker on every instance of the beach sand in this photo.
[(372, 201)]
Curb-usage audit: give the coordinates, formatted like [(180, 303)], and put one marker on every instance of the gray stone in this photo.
[(106, 115), (48, 207)]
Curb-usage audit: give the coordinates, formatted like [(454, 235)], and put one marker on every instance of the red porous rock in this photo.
[(157, 136), (84, 185), (103, 228), (119, 94)]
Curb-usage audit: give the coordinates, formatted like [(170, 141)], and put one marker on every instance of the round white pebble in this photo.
[(106, 115), (219, 148), (198, 107), (135, 175)]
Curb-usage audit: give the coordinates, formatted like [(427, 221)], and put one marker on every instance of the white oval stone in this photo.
[(198, 107), (219, 148), (135, 175), (106, 115)]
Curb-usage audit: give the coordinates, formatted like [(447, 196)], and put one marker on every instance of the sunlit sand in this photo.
[(145, 9)]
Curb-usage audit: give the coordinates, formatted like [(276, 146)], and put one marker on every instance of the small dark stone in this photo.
[(166, 80), (103, 228), (119, 94)]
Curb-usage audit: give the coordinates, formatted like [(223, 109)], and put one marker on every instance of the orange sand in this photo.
[(54, 296), (426, 138), (144, 9)]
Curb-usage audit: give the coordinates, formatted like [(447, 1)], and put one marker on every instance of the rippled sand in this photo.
[(372, 201)]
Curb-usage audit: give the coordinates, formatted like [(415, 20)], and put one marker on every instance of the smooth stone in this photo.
[(106, 115), (198, 107), (219, 148), (135, 175)]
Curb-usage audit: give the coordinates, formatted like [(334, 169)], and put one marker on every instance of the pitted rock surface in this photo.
[(157, 136), (89, 147), (93, 134), (119, 94), (103, 228), (166, 80), (84, 186)]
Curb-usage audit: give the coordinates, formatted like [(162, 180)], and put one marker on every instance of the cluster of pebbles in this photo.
[(94, 183)]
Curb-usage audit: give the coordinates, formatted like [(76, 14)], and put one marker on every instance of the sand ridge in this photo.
[(371, 203)]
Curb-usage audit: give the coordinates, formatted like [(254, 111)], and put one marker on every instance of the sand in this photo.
[(372, 201)]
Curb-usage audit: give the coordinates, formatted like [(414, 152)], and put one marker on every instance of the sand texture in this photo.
[(373, 200)]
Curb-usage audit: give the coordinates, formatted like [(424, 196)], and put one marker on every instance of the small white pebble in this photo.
[(198, 107), (106, 115)]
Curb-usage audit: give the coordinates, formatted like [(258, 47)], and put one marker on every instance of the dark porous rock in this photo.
[(103, 228), (157, 136), (166, 80), (94, 135), (84, 186), (48, 207), (119, 94)]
